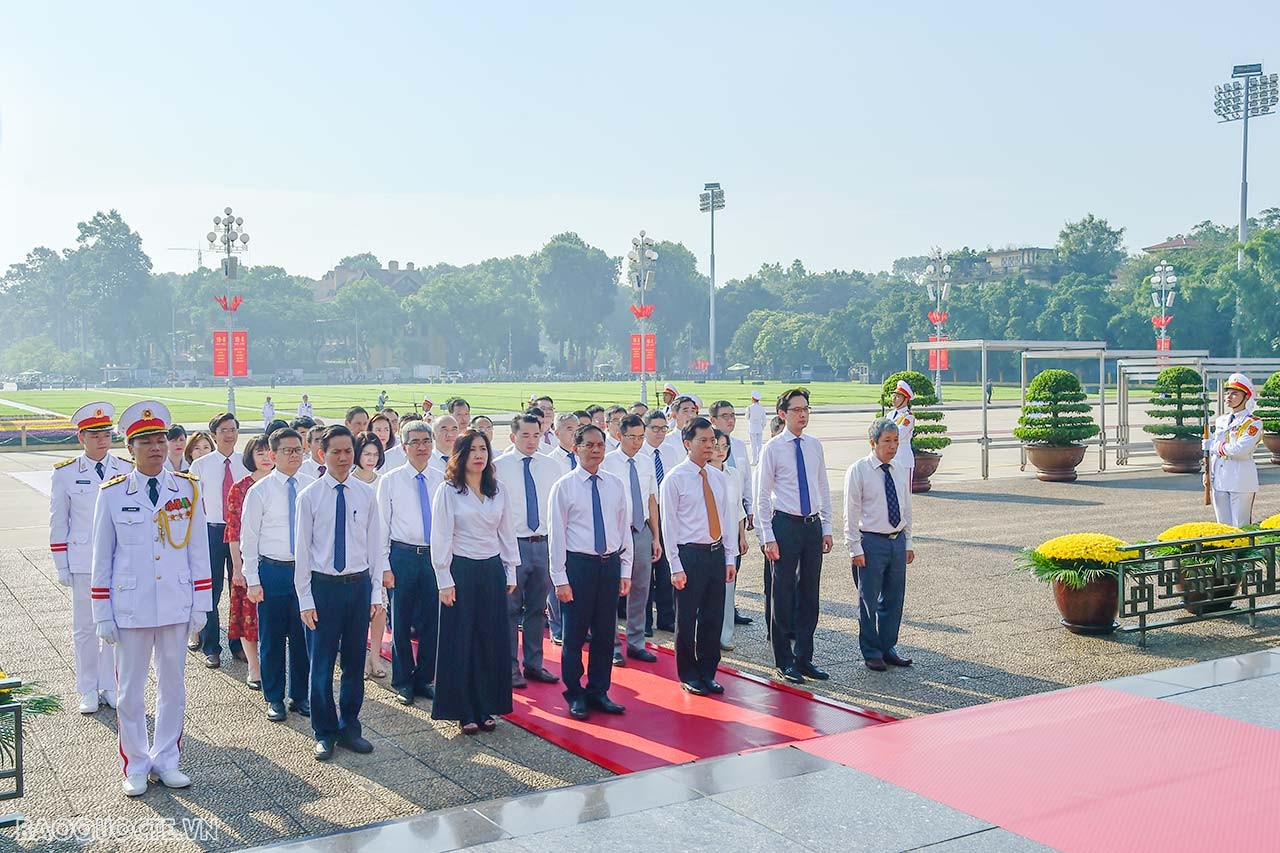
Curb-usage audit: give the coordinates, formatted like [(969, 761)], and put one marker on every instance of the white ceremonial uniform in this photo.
[(1234, 473), (305, 410), (572, 528), (464, 523), (756, 416), (268, 413), (150, 573), (906, 421), (72, 496)]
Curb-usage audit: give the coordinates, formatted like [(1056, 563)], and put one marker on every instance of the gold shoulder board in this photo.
[(115, 480), (186, 476), (64, 463)]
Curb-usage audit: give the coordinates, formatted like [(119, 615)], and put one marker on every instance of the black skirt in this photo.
[(473, 660)]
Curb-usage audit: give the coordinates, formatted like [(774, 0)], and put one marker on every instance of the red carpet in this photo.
[(1085, 769)]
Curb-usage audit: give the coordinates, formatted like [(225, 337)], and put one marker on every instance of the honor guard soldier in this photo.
[(150, 589), (906, 422), (74, 491), (1233, 473)]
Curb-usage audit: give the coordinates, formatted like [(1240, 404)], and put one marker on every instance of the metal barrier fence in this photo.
[(11, 727), (1191, 580)]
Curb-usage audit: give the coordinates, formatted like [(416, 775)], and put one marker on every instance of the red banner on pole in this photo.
[(637, 358), (220, 360), (651, 353), (939, 358), (240, 353)]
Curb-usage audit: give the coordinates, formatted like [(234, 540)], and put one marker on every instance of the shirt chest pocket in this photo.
[(132, 528)]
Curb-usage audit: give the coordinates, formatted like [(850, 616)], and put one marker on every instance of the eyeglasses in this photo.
[(290, 451), (418, 442), (804, 409)]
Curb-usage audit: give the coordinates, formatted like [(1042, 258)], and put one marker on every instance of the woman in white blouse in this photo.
[(738, 513), (474, 552)]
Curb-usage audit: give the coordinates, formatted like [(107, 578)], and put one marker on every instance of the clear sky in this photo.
[(845, 134)]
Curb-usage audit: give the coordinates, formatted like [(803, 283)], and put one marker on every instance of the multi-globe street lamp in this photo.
[(642, 254), (1163, 284), (229, 231), (710, 200), (937, 277)]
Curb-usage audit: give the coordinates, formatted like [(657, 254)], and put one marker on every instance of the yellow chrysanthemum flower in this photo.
[(1272, 523), (1199, 529), (1098, 547)]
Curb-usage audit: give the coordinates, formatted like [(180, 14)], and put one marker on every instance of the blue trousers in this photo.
[(280, 625), (594, 609), (341, 635), (415, 604), (882, 586), (220, 570)]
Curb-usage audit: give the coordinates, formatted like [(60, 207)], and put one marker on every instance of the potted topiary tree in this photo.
[(1181, 409), (1055, 419), (930, 433), (1269, 410)]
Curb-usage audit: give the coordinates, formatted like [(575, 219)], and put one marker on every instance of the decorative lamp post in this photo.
[(937, 281), (1163, 283), (642, 254), (228, 231), (710, 200)]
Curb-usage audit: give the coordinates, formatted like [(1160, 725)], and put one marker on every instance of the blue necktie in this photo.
[(101, 470), (340, 531), (597, 514), (293, 512), (424, 502), (530, 498), (806, 508), (637, 508), (573, 460), (891, 497), (657, 465)]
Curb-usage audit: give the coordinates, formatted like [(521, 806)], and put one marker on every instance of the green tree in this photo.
[(366, 261), (1090, 246), (372, 317), (113, 291), (575, 291)]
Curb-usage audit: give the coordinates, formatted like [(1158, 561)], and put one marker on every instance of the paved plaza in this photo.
[(978, 630)]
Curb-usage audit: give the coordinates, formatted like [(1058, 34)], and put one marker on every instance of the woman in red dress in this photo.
[(243, 621)]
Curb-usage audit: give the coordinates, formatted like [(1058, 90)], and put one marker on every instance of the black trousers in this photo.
[(220, 571), (415, 604), (594, 581), (473, 674), (661, 594), (700, 613), (794, 600)]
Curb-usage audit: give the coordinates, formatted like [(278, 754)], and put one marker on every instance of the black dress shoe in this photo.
[(212, 661), (253, 685), (578, 709), (302, 708), (669, 626), (642, 655), (518, 680), (324, 749), (810, 671), (790, 673), (540, 674), (894, 660), (239, 655), (714, 686), (876, 664), (739, 619), (697, 688), (404, 695), (558, 640), (604, 703), (193, 645), (648, 632), (356, 743), (618, 659), (428, 692), (276, 712)]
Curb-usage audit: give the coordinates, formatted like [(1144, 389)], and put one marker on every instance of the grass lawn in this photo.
[(192, 405)]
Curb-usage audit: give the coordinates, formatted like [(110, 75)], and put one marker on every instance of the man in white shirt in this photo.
[(563, 452), (548, 408), (267, 528), (697, 523), (665, 457), (313, 465), (591, 557), (793, 505), (404, 502), (357, 419), (756, 416), (304, 408), (877, 529), (268, 412), (636, 471), (446, 436), (461, 411), (527, 476), (218, 472), (613, 427), (683, 410), (338, 575), (724, 418)]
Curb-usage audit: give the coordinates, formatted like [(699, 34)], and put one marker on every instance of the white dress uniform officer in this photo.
[(305, 409), (756, 416), (76, 483), (150, 589), (1234, 475), (906, 422)]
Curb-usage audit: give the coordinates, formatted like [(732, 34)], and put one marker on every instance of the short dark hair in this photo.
[(410, 418), (785, 398), (276, 423), (580, 434), (355, 410), (458, 401), (175, 432), (640, 403), (388, 411), (691, 428), (456, 471), (304, 422), (593, 408), (581, 413), (544, 397), (531, 420), (221, 418), (483, 418), (363, 440), (391, 442), (629, 421), (681, 400), (655, 415), (718, 405), (280, 435), (335, 431), (719, 433), (255, 444)]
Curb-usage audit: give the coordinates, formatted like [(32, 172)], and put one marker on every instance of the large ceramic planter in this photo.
[(1272, 441), (925, 465), (1055, 464), (1180, 455), (1212, 595), (1090, 609)]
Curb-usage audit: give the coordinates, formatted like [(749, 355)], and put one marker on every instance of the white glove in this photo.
[(106, 631), (64, 577), (198, 618), (1206, 445)]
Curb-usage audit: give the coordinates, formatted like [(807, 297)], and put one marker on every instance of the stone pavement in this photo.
[(978, 631)]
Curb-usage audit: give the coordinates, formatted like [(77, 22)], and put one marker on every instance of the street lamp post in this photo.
[(228, 230), (642, 254), (1163, 283), (938, 284), (1237, 101), (710, 200)]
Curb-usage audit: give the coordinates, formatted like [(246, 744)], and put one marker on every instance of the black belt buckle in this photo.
[(271, 561), (884, 535), (532, 538), (416, 549), (711, 547), (604, 558), (341, 577)]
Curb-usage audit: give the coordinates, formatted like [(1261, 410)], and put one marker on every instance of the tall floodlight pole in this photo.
[(1163, 283), (228, 230), (1237, 101), (937, 281), (710, 200), (641, 256)]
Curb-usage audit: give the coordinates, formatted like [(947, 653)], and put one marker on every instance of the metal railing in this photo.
[(13, 711), (1191, 580)]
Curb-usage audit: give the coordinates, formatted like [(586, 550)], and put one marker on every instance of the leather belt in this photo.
[(321, 577), (272, 561), (882, 535), (532, 538), (703, 546), (413, 549), (603, 558), (800, 519)]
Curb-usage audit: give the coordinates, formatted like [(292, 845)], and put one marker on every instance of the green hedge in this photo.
[(1269, 404), (1055, 413), (930, 432), (1180, 402)]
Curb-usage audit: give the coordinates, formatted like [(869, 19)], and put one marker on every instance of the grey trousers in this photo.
[(638, 598), (881, 590), (526, 605)]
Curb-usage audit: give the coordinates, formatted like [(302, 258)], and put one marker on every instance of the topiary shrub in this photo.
[(1269, 404), (1055, 414), (930, 432), (1179, 400)]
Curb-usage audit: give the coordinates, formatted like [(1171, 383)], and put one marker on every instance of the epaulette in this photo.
[(118, 479), (64, 463), (186, 476)]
